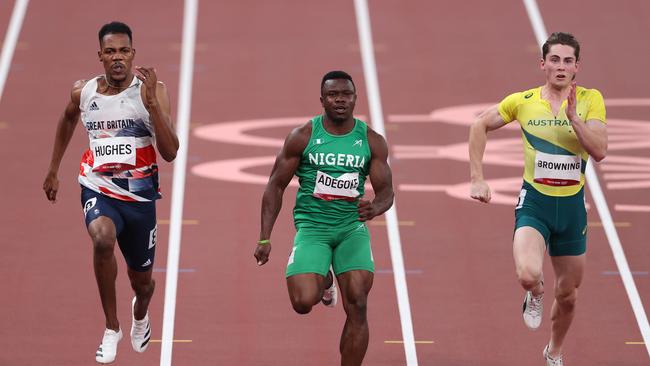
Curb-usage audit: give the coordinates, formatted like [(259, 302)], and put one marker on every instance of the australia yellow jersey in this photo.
[(555, 161)]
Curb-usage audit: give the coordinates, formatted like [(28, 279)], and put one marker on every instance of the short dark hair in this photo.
[(114, 28), (566, 39), (337, 74)]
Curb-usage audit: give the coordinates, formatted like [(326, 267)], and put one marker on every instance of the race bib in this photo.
[(344, 187), (557, 170), (113, 153)]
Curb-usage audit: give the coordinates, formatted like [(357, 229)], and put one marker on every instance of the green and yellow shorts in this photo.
[(562, 221), (345, 248)]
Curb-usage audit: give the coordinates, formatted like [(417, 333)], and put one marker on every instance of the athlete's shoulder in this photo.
[(77, 87), (525, 96), (509, 107), (587, 93), (376, 142), (298, 138), (513, 100)]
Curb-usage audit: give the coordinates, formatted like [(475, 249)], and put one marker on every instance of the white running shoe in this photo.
[(550, 361), (331, 294), (533, 309), (140, 330), (107, 350)]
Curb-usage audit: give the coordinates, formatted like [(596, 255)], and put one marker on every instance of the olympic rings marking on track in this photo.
[(619, 171)]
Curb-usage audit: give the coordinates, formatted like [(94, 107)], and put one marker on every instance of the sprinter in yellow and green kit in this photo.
[(562, 124), (331, 155)]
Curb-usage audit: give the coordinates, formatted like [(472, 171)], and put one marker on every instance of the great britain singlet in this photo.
[(121, 160), (332, 174)]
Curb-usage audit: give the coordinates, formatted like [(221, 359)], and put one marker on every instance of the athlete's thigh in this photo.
[(533, 218), (352, 250), (311, 252), (355, 285), (569, 271), (306, 287), (100, 214), (528, 248), (138, 239)]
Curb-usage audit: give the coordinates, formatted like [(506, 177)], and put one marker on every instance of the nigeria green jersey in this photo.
[(332, 174)]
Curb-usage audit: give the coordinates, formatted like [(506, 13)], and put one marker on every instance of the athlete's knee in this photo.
[(566, 297), (301, 306), (303, 301), (356, 307), (529, 277), (143, 287), (103, 242)]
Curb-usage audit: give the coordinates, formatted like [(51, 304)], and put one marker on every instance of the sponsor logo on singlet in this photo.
[(343, 187), (557, 170)]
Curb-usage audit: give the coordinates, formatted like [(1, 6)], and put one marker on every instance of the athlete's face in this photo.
[(560, 65), (117, 55), (338, 98)]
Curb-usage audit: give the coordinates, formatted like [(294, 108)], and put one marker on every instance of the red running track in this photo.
[(264, 61)]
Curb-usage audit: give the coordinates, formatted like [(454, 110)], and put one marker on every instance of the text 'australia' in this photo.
[(548, 122)]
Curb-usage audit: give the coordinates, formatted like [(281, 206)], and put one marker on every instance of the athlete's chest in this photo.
[(350, 153), (540, 120), (116, 115)]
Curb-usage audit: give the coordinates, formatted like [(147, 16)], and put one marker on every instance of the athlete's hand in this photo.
[(571, 113), (366, 210), (479, 190), (51, 186), (262, 253), (150, 80)]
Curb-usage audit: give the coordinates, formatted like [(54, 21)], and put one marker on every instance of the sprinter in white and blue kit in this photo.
[(125, 113)]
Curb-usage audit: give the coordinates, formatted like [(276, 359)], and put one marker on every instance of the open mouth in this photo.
[(340, 109), (118, 67), (560, 77)]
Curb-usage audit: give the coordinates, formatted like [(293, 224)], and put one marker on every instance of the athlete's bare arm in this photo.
[(286, 164), (64, 132), (489, 120), (381, 179), (156, 100), (592, 134)]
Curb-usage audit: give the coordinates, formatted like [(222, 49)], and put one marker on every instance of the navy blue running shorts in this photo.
[(135, 225)]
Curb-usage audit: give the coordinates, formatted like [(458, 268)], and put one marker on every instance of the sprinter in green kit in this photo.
[(331, 155)]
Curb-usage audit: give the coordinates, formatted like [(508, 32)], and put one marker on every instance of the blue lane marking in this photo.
[(390, 271), (634, 273), (180, 270)]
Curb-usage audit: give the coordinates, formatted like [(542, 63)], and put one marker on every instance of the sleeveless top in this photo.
[(332, 174), (121, 160)]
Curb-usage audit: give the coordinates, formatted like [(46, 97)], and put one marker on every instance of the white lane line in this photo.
[(178, 184), (601, 204), (377, 118), (11, 38)]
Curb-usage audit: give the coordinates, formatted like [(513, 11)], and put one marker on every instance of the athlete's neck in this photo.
[(117, 86), (338, 127), (552, 92)]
